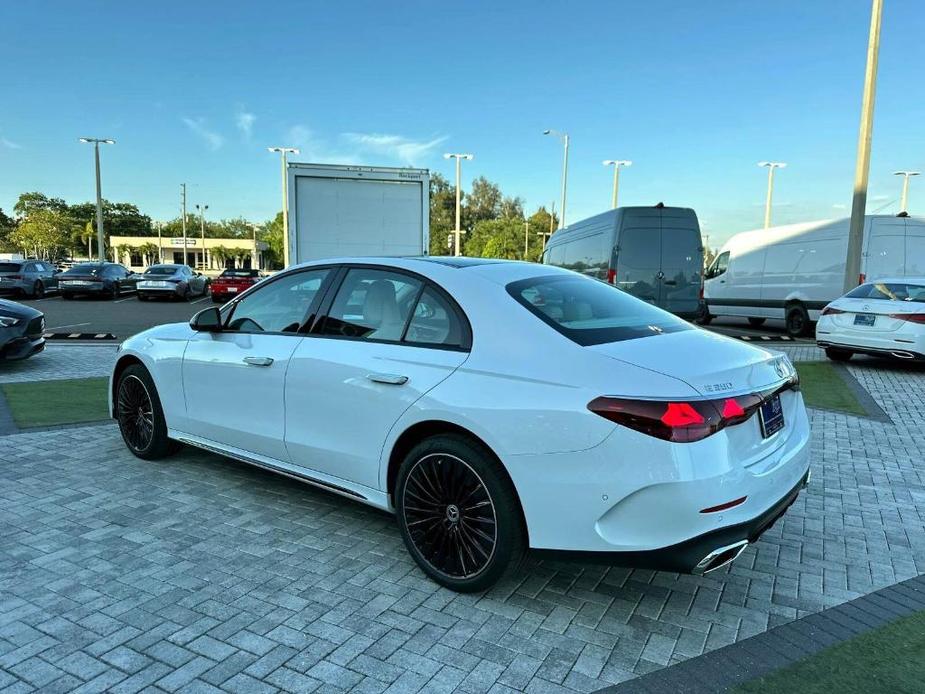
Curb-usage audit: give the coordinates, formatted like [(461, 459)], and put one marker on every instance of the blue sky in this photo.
[(695, 93)]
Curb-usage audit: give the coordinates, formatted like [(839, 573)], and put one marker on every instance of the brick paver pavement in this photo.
[(201, 574), (61, 361)]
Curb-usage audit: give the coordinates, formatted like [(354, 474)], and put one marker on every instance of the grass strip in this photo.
[(824, 388), (888, 659), (53, 403)]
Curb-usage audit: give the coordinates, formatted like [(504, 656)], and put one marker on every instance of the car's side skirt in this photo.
[(357, 492)]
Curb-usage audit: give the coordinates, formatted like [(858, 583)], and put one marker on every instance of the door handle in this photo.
[(390, 379), (258, 361)]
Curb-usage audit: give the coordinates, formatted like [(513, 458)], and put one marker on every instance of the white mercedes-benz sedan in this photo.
[(885, 318), (493, 406)]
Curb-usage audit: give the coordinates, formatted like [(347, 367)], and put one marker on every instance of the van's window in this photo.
[(889, 291), (588, 255), (555, 255), (590, 312), (719, 265)]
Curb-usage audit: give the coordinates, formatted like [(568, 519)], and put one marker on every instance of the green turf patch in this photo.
[(824, 388), (888, 659), (52, 403)]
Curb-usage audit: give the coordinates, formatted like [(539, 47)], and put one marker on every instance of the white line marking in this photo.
[(70, 325), (202, 299), (119, 301)]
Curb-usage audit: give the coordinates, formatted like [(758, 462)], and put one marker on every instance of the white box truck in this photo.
[(337, 211), (791, 272)]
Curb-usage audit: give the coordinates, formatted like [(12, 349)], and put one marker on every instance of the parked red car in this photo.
[(232, 282)]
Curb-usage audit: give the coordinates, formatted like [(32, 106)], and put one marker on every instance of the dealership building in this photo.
[(138, 252)]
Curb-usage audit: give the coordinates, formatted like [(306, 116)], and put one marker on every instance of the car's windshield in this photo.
[(10, 267), (889, 291), (162, 270), (591, 312)]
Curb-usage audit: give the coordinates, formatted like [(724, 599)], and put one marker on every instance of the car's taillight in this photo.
[(911, 317), (862, 278), (680, 422), (831, 311), (14, 277), (612, 276)]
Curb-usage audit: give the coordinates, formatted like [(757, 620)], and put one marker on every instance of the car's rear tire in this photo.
[(140, 415), (67, 296), (114, 291), (38, 290), (142, 297), (797, 321), (458, 513), (756, 322), (836, 354), (217, 299)]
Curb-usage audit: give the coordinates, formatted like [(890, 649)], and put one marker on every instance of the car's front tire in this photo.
[(140, 415), (836, 354), (458, 513)]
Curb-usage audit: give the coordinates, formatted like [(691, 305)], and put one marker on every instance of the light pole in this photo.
[(457, 231), (903, 205), (283, 151), (202, 231), (96, 142), (616, 164), (565, 140), (862, 166), (771, 165), (526, 237)]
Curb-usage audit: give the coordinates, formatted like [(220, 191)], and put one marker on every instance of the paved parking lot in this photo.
[(199, 573)]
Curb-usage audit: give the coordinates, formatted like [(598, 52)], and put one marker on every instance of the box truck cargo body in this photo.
[(791, 272), (337, 211)]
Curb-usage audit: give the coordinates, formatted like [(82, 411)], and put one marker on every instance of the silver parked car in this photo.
[(171, 281), (30, 278)]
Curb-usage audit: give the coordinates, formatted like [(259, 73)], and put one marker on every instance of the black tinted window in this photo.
[(239, 273), (372, 305), (10, 267), (591, 312), (282, 306)]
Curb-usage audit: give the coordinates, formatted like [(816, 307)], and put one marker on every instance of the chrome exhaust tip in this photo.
[(903, 355), (719, 557)]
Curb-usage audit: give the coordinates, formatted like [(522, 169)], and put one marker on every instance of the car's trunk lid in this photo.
[(875, 314)]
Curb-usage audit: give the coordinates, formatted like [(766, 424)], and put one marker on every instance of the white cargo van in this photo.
[(337, 211), (791, 272)]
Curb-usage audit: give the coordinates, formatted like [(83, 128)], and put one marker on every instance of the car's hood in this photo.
[(711, 364), (11, 308)]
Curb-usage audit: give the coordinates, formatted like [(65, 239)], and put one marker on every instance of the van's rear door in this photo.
[(886, 248), (639, 258), (682, 263)]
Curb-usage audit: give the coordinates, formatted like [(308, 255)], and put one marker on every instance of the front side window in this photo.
[(889, 291), (718, 266), (281, 306), (372, 305), (589, 312)]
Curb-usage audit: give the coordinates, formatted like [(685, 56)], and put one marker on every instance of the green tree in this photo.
[(483, 203), (497, 238), (7, 225), (272, 234), (35, 202), (442, 214), (44, 233), (149, 253), (220, 254), (541, 224)]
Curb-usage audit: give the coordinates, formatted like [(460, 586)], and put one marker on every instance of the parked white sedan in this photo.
[(492, 406), (883, 318)]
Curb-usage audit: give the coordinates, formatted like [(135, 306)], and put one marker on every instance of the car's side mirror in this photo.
[(208, 320)]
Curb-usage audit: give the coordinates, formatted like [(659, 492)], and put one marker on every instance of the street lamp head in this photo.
[(773, 164), (547, 132), (617, 162), (450, 155), (907, 173), (97, 140)]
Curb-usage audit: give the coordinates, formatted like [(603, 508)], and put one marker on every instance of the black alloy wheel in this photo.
[(38, 290), (135, 413), (140, 415), (114, 291), (458, 513)]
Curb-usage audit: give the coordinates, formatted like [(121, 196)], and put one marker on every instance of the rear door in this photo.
[(886, 248), (681, 266), (639, 260)]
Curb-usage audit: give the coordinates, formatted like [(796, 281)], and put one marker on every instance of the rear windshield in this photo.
[(591, 312), (162, 270), (10, 267), (239, 273), (889, 291), (83, 270)]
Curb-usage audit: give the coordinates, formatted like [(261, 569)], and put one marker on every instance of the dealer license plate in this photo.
[(771, 416)]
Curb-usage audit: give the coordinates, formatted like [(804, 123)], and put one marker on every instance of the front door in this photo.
[(387, 340), (234, 380)]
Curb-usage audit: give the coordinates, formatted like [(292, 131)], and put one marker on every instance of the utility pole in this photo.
[(771, 165), (862, 167), (183, 209), (160, 247), (202, 231), (283, 151), (526, 237), (100, 242), (565, 142), (904, 202), (458, 230), (616, 164)]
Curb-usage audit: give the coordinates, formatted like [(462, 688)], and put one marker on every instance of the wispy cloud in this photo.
[(316, 149), (840, 206), (879, 198), (398, 147), (197, 125), (9, 144), (245, 123)]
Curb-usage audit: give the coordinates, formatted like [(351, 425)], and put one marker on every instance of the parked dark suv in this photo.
[(101, 279)]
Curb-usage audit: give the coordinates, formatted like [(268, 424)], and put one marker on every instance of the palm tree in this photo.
[(221, 254), (149, 251)]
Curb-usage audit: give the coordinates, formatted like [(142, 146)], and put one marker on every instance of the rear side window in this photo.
[(889, 291), (10, 267), (589, 312), (434, 322)]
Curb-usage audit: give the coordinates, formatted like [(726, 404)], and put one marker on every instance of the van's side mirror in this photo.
[(208, 320)]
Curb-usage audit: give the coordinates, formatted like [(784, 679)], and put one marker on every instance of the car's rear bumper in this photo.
[(21, 348), (904, 351), (160, 291), (699, 554)]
